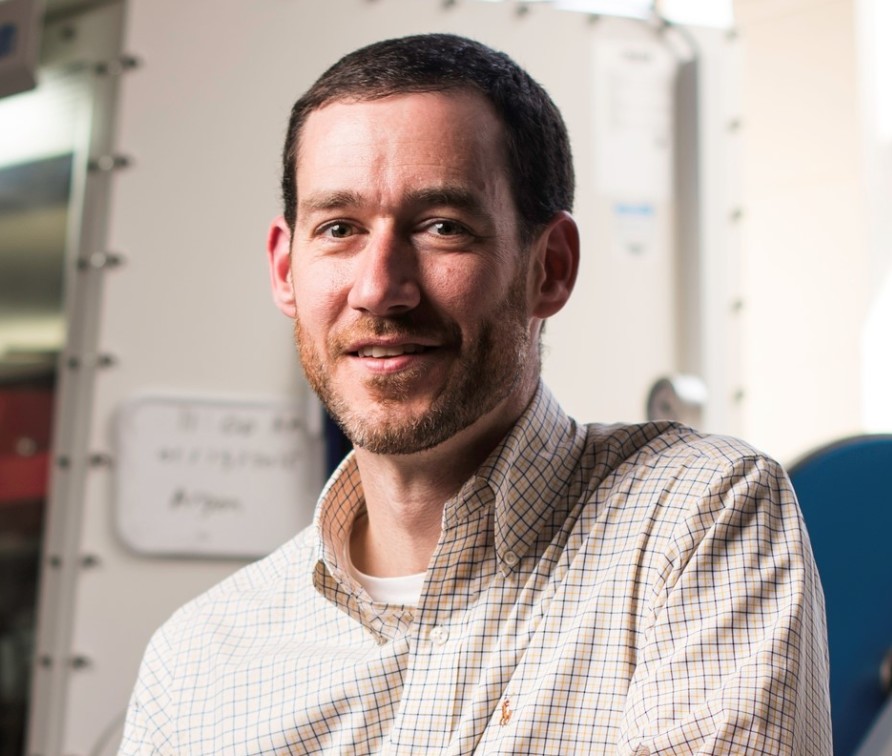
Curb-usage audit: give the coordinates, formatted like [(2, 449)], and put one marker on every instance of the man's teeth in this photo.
[(389, 351)]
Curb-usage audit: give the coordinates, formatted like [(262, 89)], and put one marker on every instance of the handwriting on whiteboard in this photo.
[(226, 460), (207, 477), (205, 503)]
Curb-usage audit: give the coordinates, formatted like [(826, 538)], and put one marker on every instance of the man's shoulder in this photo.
[(674, 468), (288, 571), (663, 489), (663, 445)]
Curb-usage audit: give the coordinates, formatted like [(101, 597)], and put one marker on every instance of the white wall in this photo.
[(805, 272), (874, 21)]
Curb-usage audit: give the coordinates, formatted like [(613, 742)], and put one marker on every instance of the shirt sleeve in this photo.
[(734, 658), (148, 728)]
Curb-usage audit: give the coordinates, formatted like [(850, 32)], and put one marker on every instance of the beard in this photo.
[(488, 368)]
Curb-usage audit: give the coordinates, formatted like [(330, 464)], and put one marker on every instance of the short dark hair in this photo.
[(540, 165)]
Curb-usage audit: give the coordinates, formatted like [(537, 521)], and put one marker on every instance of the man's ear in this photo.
[(553, 271), (278, 250)]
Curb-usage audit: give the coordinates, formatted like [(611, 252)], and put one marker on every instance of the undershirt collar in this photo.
[(404, 590)]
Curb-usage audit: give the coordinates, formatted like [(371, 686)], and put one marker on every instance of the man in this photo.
[(484, 574)]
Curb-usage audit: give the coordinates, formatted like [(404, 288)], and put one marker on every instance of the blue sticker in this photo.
[(638, 210)]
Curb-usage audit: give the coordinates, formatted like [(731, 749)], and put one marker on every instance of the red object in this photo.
[(23, 478), (26, 417)]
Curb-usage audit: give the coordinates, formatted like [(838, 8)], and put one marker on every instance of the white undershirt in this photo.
[(404, 590)]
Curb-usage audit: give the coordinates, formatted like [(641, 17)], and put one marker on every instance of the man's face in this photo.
[(410, 288)]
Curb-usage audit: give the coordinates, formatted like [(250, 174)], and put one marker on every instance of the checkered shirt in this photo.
[(596, 590)]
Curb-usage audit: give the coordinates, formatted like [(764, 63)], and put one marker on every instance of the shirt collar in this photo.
[(519, 480), (528, 475), (340, 502)]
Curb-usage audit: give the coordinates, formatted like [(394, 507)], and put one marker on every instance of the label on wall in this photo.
[(632, 115), (198, 477)]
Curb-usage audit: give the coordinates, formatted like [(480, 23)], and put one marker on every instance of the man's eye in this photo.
[(338, 230), (447, 228)]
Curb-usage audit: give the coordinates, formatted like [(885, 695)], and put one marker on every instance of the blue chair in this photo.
[(845, 491)]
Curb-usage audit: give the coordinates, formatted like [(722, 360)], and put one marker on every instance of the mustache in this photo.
[(406, 327)]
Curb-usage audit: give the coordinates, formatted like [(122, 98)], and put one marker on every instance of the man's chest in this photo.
[(531, 666)]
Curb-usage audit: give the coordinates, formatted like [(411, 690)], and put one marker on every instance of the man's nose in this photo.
[(385, 279)]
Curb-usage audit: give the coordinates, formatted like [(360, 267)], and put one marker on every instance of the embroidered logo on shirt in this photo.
[(506, 712)]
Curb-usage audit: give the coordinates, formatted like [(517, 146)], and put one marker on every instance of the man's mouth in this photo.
[(395, 350)]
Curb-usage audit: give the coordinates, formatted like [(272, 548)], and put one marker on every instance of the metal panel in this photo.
[(73, 49)]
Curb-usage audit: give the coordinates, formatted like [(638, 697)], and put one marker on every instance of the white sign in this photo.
[(632, 115), (215, 478)]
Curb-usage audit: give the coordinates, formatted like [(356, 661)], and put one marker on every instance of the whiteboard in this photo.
[(200, 477)]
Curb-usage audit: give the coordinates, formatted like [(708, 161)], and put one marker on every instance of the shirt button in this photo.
[(439, 635), (510, 558)]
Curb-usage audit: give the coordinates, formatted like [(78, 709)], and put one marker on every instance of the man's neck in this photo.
[(405, 494)]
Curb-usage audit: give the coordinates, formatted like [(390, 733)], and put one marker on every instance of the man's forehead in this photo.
[(465, 114)]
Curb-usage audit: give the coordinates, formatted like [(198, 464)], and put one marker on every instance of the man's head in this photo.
[(417, 282), (537, 148)]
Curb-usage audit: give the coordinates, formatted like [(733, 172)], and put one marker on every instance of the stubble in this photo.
[(487, 369)]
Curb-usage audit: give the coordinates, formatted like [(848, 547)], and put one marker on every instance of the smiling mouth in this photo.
[(379, 352)]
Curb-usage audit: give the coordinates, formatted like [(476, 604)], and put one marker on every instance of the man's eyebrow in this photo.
[(329, 201), (456, 197)]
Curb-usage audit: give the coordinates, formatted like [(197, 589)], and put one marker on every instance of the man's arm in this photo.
[(149, 716), (735, 657)]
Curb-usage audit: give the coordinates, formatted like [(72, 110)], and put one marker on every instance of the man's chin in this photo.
[(401, 433)]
